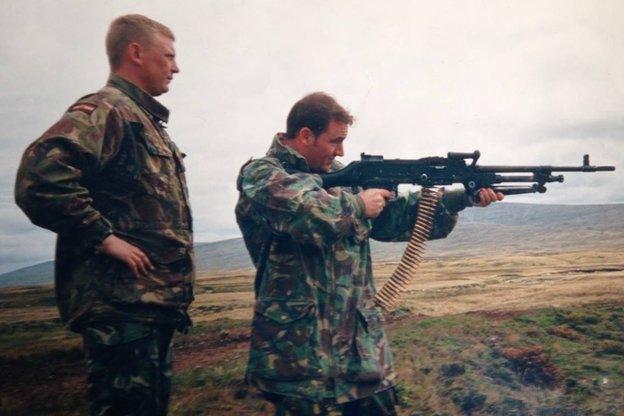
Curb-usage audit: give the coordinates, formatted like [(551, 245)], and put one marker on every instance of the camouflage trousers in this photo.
[(379, 404), (129, 368)]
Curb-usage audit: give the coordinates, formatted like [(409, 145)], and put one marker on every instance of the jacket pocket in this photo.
[(169, 285), (283, 346), (155, 147), (370, 358), (157, 169)]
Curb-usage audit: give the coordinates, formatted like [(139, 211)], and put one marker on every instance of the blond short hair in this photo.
[(131, 28)]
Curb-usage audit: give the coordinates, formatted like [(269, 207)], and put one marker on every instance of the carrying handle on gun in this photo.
[(462, 156)]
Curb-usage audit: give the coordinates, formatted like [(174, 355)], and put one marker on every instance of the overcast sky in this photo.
[(525, 82)]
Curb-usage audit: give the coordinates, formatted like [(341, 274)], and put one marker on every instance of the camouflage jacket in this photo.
[(316, 332), (108, 166)]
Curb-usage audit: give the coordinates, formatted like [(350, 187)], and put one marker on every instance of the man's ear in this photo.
[(306, 135), (135, 53)]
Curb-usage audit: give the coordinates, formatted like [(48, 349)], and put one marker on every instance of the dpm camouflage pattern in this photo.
[(109, 166), (316, 332), (129, 368)]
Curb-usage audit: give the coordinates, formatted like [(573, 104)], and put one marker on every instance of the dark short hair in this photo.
[(315, 111)]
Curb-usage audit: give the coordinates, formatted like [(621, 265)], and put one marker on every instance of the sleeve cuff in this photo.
[(359, 207), (361, 224), (96, 232)]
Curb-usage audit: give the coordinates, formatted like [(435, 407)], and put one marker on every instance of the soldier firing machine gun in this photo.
[(375, 172)]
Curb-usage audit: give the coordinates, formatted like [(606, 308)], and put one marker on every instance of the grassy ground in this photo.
[(555, 346)]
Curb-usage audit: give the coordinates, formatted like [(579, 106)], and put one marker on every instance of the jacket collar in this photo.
[(143, 99), (289, 157)]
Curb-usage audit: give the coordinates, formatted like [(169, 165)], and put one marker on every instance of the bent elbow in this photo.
[(443, 227)]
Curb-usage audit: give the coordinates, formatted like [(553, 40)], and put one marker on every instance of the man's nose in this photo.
[(175, 68), (339, 150)]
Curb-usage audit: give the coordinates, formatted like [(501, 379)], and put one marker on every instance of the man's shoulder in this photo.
[(90, 114), (260, 172), (91, 109), (254, 166), (103, 102)]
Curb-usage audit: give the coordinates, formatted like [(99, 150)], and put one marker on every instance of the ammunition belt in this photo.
[(391, 291)]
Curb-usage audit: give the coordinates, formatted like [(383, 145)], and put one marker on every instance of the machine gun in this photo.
[(376, 172)]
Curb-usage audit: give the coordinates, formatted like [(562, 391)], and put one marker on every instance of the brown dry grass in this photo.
[(457, 285)]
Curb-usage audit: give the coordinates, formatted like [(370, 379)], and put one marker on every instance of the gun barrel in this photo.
[(528, 178), (582, 168), (519, 169)]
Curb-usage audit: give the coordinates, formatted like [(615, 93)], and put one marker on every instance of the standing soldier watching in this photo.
[(317, 343), (110, 182)]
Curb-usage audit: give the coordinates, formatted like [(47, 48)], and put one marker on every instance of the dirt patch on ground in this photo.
[(534, 366), (42, 380), (45, 383), (198, 352)]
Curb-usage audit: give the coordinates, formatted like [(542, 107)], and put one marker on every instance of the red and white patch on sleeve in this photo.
[(86, 108)]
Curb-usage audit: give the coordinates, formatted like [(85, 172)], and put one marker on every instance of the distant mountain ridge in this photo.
[(500, 228)]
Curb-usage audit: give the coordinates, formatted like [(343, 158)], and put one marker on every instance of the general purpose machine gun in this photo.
[(376, 172)]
